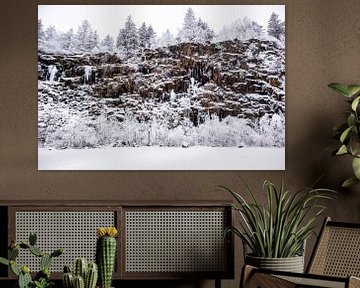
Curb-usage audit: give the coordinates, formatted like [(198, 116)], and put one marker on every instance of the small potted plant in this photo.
[(42, 278), (275, 233), (84, 274), (348, 132)]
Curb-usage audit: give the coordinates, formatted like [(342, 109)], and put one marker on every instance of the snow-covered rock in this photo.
[(180, 88)]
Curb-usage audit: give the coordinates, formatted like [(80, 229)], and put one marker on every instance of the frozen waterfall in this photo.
[(52, 72), (87, 70)]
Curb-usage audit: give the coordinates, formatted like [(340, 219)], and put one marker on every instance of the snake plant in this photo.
[(348, 132), (279, 228)]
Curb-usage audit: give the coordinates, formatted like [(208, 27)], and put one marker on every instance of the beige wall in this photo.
[(322, 46)]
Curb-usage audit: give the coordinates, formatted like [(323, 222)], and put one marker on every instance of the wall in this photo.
[(322, 46)]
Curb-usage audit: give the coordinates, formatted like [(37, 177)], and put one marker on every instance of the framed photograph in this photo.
[(161, 87)]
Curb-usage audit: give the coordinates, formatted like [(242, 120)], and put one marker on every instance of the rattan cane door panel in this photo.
[(175, 241), (74, 230)]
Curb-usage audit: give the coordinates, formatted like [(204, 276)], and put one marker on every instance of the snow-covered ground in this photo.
[(162, 158)]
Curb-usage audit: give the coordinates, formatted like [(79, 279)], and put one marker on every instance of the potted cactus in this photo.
[(84, 275), (106, 254), (42, 278)]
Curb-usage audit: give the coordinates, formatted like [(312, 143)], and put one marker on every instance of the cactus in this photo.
[(105, 254), (91, 276), (13, 253), (24, 278), (80, 268), (4, 261), (32, 238), (67, 269), (45, 261), (36, 251), (44, 273), (87, 272), (79, 282), (68, 280), (57, 252), (14, 268)]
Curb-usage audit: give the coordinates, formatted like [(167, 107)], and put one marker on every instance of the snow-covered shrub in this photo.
[(74, 134), (272, 130)]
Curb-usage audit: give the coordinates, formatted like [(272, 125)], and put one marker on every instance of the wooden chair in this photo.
[(335, 262)]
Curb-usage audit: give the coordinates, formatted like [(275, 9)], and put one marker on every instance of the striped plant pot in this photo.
[(291, 264)]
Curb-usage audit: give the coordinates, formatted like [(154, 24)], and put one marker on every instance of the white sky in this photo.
[(108, 19)]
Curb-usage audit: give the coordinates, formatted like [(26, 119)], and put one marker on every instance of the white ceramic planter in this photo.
[(291, 264)]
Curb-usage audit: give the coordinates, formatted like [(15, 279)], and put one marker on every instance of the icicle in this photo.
[(52, 72), (87, 71), (172, 96)]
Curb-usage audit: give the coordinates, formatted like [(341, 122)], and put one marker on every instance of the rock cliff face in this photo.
[(187, 81)]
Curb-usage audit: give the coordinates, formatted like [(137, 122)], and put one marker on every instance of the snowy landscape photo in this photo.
[(161, 87)]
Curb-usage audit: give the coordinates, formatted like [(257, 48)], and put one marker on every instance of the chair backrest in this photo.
[(337, 251)]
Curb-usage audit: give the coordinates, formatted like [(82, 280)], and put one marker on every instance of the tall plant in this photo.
[(348, 132), (279, 229)]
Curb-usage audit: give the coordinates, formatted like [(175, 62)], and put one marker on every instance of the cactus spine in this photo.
[(105, 255)]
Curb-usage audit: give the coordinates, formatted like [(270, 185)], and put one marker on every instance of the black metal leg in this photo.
[(217, 283)]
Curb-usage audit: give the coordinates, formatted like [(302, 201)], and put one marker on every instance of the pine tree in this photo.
[(194, 30), (50, 33), (120, 40), (108, 43), (204, 32), (131, 37), (143, 36), (95, 40), (188, 31), (275, 27), (167, 39), (67, 40), (151, 37), (83, 36), (41, 33)]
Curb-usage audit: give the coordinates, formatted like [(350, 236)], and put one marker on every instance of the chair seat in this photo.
[(268, 279), (314, 282)]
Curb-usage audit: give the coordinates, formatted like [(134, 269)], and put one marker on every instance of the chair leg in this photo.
[(217, 283), (246, 274)]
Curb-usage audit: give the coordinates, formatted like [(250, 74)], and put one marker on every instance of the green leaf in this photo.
[(342, 150), (345, 134), (349, 182), (353, 89), (356, 167), (355, 103), (351, 120), (354, 145), (340, 88)]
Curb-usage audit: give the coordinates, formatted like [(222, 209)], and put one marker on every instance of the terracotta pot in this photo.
[(291, 264)]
